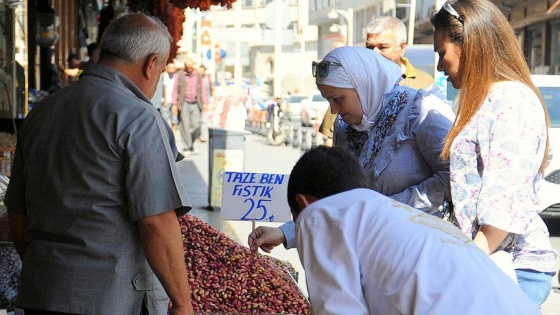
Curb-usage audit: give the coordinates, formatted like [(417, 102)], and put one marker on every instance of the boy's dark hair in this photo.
[(322, 172)]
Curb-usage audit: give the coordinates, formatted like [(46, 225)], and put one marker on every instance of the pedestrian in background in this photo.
[(387, 36), (394, 131), (190, 97), (498, 145), (170, 112), (206, 110), (95, 192), (365, 253)]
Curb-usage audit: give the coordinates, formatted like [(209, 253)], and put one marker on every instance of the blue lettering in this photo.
[(264, 179), (236, 190), (275, 179), (242, 178), (265, 191), (279, 179), (249, 178), (228, 174)]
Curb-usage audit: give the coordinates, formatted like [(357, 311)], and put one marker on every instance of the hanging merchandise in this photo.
[(47, 29), (12, 4), (203, 5)]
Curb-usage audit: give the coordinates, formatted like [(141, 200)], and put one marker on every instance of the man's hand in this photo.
[(266, 238)]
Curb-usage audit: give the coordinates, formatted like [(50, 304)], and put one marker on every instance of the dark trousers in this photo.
[(190, 124)]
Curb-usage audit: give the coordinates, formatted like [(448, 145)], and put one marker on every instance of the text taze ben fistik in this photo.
[(246, 181)]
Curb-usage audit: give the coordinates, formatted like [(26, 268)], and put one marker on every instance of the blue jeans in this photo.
[(535, 284)]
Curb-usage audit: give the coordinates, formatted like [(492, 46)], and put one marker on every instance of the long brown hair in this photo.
[(490, 53)]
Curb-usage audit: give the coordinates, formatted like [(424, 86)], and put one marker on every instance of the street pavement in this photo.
[(261, 157)]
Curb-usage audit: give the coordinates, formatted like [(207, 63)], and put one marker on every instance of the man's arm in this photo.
[(161, 238), (18, 223)]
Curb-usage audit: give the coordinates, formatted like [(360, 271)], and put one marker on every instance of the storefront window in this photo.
[(13, 62)]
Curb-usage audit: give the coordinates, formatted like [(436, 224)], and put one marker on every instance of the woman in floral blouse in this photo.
[(498, 145)]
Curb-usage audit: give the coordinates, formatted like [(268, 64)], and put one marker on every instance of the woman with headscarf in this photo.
[(395, 132)]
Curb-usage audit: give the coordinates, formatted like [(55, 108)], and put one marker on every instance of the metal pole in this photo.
[(304, 61), (350, 24), (301, 39), (237, 73), (187, 25), (278, 10), (198, 35), (411, 22)]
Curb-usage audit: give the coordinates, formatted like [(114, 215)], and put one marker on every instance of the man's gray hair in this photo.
[(383, 23), (131, 38)]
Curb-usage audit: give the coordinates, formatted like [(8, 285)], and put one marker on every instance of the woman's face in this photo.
[(449, 57), (344, 102)]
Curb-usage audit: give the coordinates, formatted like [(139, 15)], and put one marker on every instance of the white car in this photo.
[(549, 191), (294, 106), (313, 109)]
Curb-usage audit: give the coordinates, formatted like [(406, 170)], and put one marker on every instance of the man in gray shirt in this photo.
[(95, 192)]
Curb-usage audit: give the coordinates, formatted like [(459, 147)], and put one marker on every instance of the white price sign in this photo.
[(255, 197)]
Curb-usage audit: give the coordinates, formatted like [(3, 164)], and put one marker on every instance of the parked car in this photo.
[(313, 109), (549, 191), (294, 106)]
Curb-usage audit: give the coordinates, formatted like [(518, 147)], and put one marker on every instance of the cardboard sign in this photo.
[(255, 197), (231, 160)]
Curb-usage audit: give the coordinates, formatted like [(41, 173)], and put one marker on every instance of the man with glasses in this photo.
[(387, 36)]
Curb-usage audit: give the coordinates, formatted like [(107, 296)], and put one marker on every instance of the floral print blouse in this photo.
[(494, 169)]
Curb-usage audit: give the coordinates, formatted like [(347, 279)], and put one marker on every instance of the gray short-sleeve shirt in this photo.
[(91, 160)]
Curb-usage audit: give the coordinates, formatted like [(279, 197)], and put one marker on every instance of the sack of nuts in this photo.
[(225, 277)]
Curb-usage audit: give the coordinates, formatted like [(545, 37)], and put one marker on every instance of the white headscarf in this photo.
[(366, 71)]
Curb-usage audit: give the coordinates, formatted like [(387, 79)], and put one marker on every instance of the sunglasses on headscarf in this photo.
[(322, 68)]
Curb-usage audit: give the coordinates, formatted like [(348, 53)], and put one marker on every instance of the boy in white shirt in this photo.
[(365, 253)]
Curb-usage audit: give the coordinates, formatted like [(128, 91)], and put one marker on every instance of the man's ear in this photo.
[(303, 201), (151, 66), (403, 46)]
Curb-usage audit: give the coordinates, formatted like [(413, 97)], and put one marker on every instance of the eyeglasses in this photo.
[(449, 9), (322, 68)]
